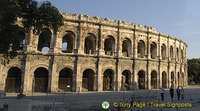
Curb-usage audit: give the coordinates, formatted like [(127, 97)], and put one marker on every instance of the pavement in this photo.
[(143, 100)]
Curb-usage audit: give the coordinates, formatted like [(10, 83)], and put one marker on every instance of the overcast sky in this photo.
[(178, 18)]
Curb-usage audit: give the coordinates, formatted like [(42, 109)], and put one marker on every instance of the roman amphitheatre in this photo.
[(95, 54)]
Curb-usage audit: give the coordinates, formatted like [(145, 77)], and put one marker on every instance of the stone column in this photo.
[(135, 79), (55, 43), (54, 78), (78, 77), (118, 79), (99, 77), (27, 76)]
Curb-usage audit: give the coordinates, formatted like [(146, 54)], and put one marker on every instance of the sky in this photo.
[(177, 18)]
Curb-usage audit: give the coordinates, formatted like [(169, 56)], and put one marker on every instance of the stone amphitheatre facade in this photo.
[(96, 54)]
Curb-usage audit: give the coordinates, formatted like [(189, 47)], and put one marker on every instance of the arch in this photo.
[(90, 44), (13, 80), (171, 53), (88, 80), (126, 79), (154, 80), (67, 42), (109, 45), (172, 79), (141, 49), (44, 40), (108, 80), (40, 83), (153, 50), (164, 79), (141, 79), (163, 51), (65, 82), (126, 47)]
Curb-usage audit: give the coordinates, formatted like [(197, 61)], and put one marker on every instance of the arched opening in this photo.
[(40, 80), (126, 78), (141, 79), (13, 80), (126, 47), (163, 51), (171, 52), (65, 80), (88, 80), (90, 44), (141, 49), (164, 79), (67, 42), (177, 53), (108, 80), (109, 46), (153, 50), (154, 80), (44, 40), (172, 79)]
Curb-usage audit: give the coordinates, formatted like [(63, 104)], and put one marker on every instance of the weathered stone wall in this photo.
[(78, 61)]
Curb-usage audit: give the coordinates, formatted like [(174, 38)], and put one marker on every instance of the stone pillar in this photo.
[(135, 79), (28, 79), (78, 77), (118, 79), (54, 78), (99, 77), (55, 42), (148, 79)]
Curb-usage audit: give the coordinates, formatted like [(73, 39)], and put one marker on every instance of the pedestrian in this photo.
[(162, 92), (178, 92), (182, 93), (171, 92)]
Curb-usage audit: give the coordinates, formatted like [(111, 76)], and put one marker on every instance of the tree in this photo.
[(194, 70), (34, 16)]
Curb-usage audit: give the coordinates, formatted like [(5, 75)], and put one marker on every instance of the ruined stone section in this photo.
[(96, 54)]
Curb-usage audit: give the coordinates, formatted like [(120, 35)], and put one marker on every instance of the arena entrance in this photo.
[(108, 80), (141, 79), (65, 80), (88, 80), (13, 81), (41, 80), (126, 79), (154, 80), (164, 79)]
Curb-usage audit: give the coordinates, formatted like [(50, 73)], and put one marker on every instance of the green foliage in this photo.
[(194, 70), (34, 15)]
